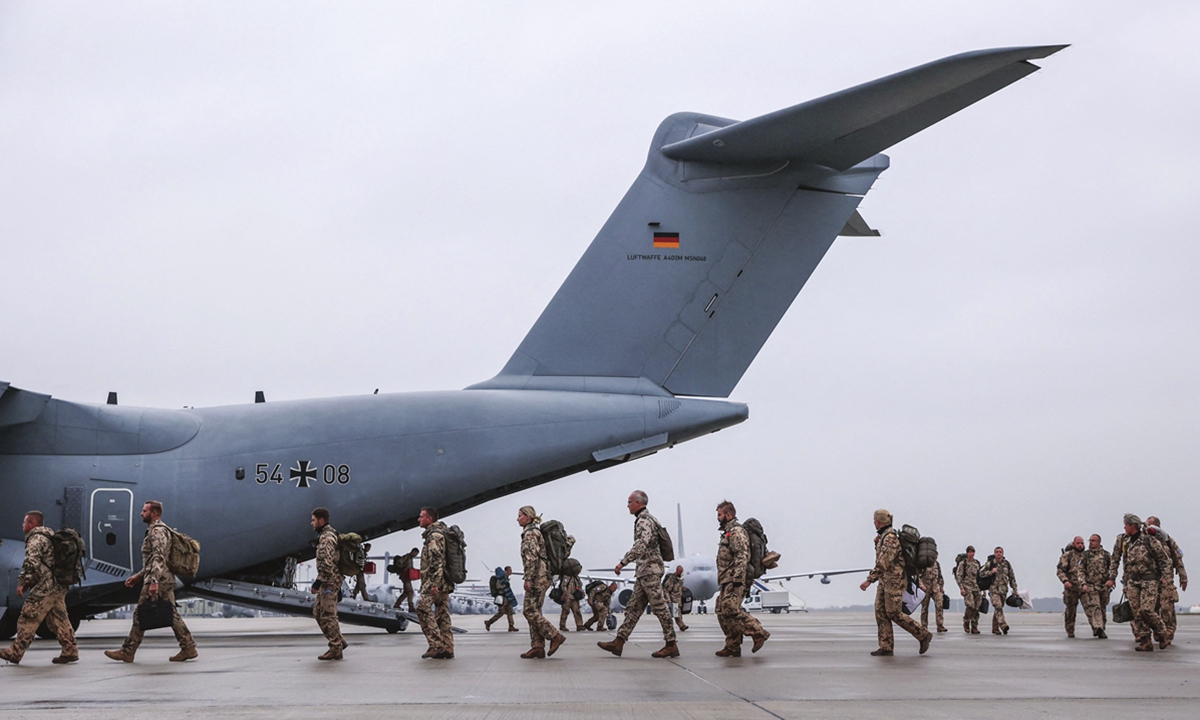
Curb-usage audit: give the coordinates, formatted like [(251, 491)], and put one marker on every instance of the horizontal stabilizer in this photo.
[(847, 127)]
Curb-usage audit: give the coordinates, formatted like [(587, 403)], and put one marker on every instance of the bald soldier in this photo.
[(45, 597), (1147, 568), (1076, 590), (889, 596), (600, 598), (673, 592), (966, 574), (1170, 594)]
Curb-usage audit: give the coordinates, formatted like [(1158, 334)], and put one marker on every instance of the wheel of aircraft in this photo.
[(8, 624)]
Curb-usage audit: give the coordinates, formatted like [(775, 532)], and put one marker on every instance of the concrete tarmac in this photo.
[(815, 666)]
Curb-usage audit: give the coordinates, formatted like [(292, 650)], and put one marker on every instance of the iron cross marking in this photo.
[(303, 473)]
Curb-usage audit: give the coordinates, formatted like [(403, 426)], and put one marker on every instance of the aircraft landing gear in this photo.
[(8, 624)]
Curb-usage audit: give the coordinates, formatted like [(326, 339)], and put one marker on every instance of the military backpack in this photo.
[(456, 555), (351, 555), (558, 549), (919, 553), (69, 555), (665, 547), (183, 557), (593, 586), (761, 559)]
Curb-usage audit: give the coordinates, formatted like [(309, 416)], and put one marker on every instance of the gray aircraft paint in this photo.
[(592, 385)]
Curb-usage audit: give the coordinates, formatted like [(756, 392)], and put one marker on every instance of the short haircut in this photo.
[(431, 512), (1097, 536), (728, 507), (999, 548), (321, 514), (970, 548), (508, 568), (38, 516), (414, 551), (1153, 520), (155, 506), (639, 497)]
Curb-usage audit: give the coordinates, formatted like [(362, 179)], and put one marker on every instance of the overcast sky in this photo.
[(198, 201)]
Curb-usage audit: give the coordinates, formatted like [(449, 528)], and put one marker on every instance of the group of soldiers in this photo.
[(1151, 560)]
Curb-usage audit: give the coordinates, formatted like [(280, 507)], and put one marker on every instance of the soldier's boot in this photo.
[(579, 628), (534, 653), (187, 653), (487, 625), (942, 628), (1100, 634), (1146, 646), (562, 627), (996, 631), (966, 627), (556, 643), (430, 653), (925, 641), (444, 655), (64, 659), (1164, 643), (682, 627), (974, 629), (615, 646), (124, 655), (1071, 632), (729, 652), (330, 654), (513, 628), (882, 653), (669, 650), (759, 641), (8, 655), (1004, 629)]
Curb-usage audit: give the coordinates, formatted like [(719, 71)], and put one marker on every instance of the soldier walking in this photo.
[(570, 604), (157, 582), (402, 565), (328, 585), (45, 597), (503, 608), (537, 582), (433, 609), (1170, 594), (600, 598), (1147, 567), (673, 592), (647, 587), (889, 596), (1076, 589), (733, 555), (966, 574), (1096, 561), (935, 589), (1004, 577)]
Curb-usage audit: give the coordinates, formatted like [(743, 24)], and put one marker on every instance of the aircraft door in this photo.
[(110, 535)]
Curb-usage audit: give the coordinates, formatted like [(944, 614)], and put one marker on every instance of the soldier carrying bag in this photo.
[(1122, 612), (183, 559), (761, 559), (665, 547), (155, 614), (558, 549), (985, 581), (456, 555), (69, 555), (351, 555)]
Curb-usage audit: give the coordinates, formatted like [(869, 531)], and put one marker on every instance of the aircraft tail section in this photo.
[(718, 234)]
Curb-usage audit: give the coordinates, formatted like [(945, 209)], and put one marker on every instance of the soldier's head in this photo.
[(1133, 524), (637, 501), (428, 516), (33, 518), (151, 511), (679, 570), (1153, 520), (971, 552), (612, 587), (725, 512), (1077, 543), (414, 552), (508, 569), (882, 518), (320, 518), (1094, 542), (998, 553), (527, 515)]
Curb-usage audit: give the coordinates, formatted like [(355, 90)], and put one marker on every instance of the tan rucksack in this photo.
[(184, 557)]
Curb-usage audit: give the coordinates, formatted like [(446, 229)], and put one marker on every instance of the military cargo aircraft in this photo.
[(635, 352)]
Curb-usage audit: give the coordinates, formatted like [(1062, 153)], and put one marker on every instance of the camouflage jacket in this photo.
[(403, 563), (932, 580), (601, 596), (37, 574), (155, 550), (1144, 556), (889, 563), (569, 584), (1176, 556), (433, 559), (1071, 569), (327, 558), (967, 575), (733, 554), (1095, 566), (533, 556), (1005, 577), (673, 588), (645, 551)]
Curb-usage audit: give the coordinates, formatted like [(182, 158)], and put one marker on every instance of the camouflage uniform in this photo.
[(533, 557), (1146, 563), (503, 609), (45, 599), (1095, 569), (733, 554), (155, 549), (889, 596), (1004, 577), (935, 589), (1169, 595), (403, 565), (1071, 569), (673, 592), (570, 583), (647, 587), (967, 577), (325, 606), (600, 599), (433, 608)]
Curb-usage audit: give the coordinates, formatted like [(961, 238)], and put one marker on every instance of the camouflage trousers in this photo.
[(540, 629), (971, 616), (998, 622), (889, 608), (433, 612), (647, 590), (676, 609), (51, 607), (1167, 597), (182, 635), (1143, 600), (569, 607), (502, 610), (599, 617), (407, 594), (936, 598), (1105, 596), (1091, 608), (325, 610), (735, 622)]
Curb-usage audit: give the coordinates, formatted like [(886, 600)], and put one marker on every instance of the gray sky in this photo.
[(200, 201)]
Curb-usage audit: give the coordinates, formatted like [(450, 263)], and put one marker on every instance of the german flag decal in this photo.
[(666, 240)]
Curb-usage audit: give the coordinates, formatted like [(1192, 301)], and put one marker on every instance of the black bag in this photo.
[(154, 614), (1122, 611), (945, 602), (983, 606), (1014, 601), (985, 581), (557, 595)]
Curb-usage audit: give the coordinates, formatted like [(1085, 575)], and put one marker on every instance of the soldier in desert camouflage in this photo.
[(889, 597), (673, 592), (1076, 590), (570, 605), (600, 598), (733, 555), (537, 582), (433, 607), (45, 598), (1169, 594), (1003, 579), (966, 574), (1147, 569), (935, 589), (1096, 562)]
